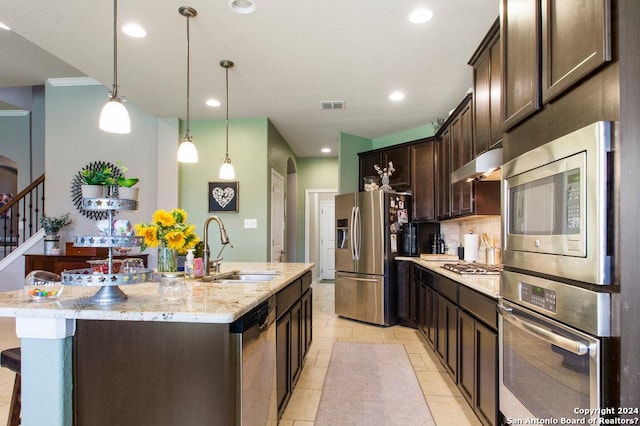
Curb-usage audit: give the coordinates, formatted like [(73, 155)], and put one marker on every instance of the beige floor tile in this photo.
[(303, 405), (312, 377), (436, 383), (451, 411)]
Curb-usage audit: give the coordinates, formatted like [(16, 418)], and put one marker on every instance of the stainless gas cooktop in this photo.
[(473, 268)]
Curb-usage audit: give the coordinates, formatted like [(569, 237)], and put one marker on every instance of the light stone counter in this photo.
[(486, 284), (207, 303)]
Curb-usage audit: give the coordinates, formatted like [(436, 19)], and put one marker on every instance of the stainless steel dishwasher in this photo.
[(254, 336)]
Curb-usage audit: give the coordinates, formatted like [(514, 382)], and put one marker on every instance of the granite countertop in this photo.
[(486, 284), (208, 302)]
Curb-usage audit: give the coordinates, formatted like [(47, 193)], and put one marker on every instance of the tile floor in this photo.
[(445, 401), (447, 405)]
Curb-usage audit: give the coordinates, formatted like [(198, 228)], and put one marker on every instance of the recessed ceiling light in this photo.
[(213, 102), (420, 16), (134, 30), (243, 6), (4, 27), (326, 150), (396, 96)]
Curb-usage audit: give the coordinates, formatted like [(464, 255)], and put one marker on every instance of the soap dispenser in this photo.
[(188, 264)]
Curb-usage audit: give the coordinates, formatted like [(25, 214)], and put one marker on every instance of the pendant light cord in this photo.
[(114, 94), (227, 119), (187, 135)]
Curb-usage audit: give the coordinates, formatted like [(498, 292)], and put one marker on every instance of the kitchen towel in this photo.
[(471, 245)]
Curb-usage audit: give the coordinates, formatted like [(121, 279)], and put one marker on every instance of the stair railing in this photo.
[(20, 217)]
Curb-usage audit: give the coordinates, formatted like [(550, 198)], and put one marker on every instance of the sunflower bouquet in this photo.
[(168, 229)]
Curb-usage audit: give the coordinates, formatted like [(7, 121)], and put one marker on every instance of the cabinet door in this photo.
[(466, 346), (520, 38), (444, 175), (430, 316), (296, 342), (423, 177), (441, 327), (576, 39), (307, 319), (486, 390), (451, 353), (495, 102), (367, 161), (404, 293), (482, 103), (283, 361), (401, 158)]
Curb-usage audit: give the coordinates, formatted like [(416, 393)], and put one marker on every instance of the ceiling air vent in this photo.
[(332, 105)]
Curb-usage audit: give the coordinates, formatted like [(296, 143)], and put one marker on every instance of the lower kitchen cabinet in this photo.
[(461, 325), (293, 335), (408, 300), (478, 353)]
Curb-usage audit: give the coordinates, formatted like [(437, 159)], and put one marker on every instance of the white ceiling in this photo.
[(290, 55)]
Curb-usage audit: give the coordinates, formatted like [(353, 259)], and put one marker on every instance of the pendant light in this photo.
[(114, 117), (187, 152), (226, 170)]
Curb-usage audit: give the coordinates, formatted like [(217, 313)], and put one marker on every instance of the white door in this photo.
[(327, 240), (277, 216)]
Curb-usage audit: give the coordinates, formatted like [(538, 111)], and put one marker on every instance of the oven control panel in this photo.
[(538, 296)]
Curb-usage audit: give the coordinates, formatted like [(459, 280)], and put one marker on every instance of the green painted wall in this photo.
[(313, 173), (404, 136), (349, 147), (248, 152)]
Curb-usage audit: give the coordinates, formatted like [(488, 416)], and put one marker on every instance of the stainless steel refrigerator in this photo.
[(368, 226)]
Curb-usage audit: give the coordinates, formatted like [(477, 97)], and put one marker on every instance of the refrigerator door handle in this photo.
[(356, 233), (351, 232)]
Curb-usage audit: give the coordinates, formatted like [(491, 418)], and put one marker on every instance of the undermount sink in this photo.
[(242, 277)]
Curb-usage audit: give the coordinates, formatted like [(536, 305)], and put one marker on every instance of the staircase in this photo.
[(20, 217)]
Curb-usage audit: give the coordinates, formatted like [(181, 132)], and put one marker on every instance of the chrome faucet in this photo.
[(224, 239)]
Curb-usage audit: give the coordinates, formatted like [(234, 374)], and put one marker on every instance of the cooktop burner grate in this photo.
[(473, 268)]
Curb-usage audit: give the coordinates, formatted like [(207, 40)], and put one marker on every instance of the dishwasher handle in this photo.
[(261, 317)]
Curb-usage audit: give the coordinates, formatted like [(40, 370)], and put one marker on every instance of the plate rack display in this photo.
[(109, 292)]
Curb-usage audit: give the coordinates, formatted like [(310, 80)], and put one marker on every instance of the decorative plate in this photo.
[(76, 193)]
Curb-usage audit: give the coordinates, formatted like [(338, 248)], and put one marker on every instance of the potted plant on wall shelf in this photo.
[(95, 182), (125, 185), (51, 226)]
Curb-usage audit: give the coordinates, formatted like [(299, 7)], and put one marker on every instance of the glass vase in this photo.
[(167, 259), (385, 183)]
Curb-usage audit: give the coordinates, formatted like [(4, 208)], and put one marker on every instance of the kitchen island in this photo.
[(171, 337)]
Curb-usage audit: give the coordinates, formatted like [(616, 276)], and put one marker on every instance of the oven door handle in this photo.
[(572, 346)]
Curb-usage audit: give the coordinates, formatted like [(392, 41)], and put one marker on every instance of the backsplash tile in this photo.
[(454, 232)]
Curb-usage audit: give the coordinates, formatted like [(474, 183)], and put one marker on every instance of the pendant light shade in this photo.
[(187, 152), (114, 117), (226, 170)]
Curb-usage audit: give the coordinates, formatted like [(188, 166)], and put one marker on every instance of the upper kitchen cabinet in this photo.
[(423, 178), (487, 70), (576, 39), (401, 158), (367, 161), (520, 44)]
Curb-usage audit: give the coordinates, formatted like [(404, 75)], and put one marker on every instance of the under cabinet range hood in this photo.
[(486, 166)]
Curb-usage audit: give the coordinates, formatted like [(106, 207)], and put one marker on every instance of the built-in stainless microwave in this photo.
[(557, 211)]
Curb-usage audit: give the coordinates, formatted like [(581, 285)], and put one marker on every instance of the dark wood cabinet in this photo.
[(367, 160), (447, 324), (283, 361), (478, 353), (462, 146), (426, 306), (520, 39), (293, 335), (486, 92), (443, 164), (576, 39), (401, 158), (58, 264), (423, 181), (407, 295)]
